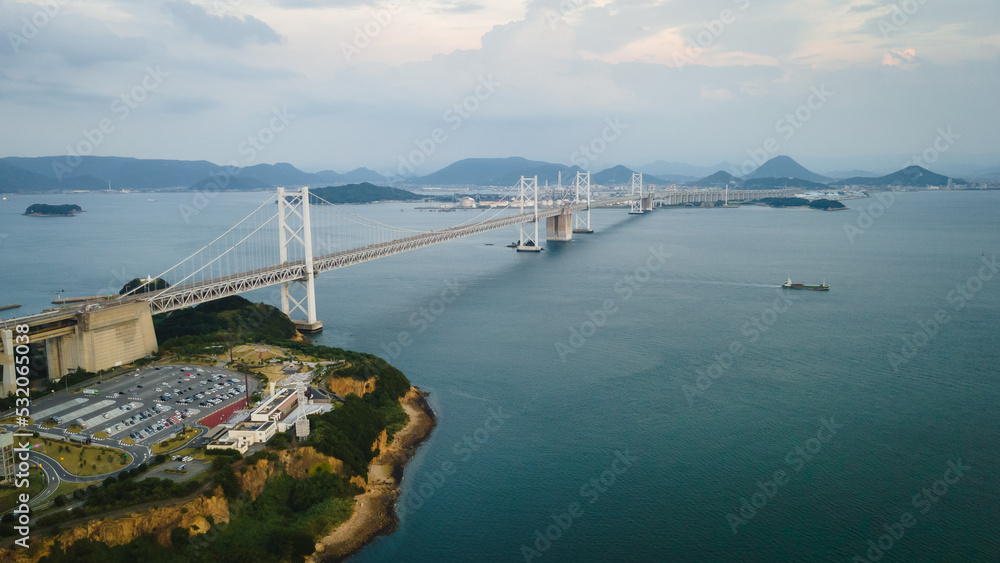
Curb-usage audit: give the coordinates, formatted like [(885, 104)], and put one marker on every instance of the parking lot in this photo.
[(147, 405)]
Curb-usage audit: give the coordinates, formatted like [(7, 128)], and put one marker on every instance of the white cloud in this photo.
[(558, 80)]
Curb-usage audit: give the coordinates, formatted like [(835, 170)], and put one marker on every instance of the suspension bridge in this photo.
[(287, 241)]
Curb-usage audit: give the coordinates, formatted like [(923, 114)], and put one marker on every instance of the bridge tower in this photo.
[(637, 207), (295, 231), (582, 222), (528, 242)]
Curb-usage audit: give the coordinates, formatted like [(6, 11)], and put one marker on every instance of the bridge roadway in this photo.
[(188, 295), (182, 296)]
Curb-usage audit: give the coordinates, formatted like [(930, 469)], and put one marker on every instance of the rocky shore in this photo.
[(375, 509)]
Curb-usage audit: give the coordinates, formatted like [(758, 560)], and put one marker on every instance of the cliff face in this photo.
[(192, 515), (301, 461), (344, 386), (254, 477), (298, 463)]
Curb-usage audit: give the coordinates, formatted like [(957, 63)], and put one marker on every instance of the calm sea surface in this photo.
[(647, 393)]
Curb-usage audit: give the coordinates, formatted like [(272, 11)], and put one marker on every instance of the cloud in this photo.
[(717, 95), (906, 58), (230, 31)]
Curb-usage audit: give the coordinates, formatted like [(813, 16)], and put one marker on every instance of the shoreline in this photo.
[(375, 510)]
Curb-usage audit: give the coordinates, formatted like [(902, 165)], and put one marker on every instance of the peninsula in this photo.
[(315, 492)]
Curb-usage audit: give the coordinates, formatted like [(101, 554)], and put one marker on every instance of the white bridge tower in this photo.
[(528, 192), (636, 191), (582, 222), (295, 232)]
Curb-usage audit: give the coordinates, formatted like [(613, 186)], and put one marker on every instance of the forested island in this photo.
[(363, 193), (46, 210), (822, 204)]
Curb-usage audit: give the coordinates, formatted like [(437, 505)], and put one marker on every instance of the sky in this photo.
[(406, 87)]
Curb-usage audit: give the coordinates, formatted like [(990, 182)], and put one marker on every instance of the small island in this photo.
[(46, 210), (821, 204), (362, 193)]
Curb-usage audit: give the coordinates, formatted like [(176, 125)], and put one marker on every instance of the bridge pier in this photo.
[(559, 227), (61, 355)]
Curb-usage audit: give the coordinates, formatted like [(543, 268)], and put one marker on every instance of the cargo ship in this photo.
[(789, 285)]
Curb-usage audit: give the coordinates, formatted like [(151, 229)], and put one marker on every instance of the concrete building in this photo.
[(283, 410), (7, 465), (276, 407)]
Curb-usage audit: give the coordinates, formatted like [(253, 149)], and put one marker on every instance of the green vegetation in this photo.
[(348, 432), (117, 494), (143, 286), (361, 193), (46, 210), (174, 442), (826, 204), (282, 524), (79, 459), (285, 520), (785, 201), (10, 493), (231, 320)]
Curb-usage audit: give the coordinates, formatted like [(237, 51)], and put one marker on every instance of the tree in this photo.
[(179, 537), (144, 286)]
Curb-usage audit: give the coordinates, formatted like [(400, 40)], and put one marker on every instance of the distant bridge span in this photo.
[(98, 336)]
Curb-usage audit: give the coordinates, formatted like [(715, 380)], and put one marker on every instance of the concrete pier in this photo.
[(559, 227)]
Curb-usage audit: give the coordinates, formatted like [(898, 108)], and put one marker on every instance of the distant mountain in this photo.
[(363, 193), (785, 167), (779, 183), (851, 174), (665, 170), (911, 176), (131, 173), (59, 173), (546, 173), (356, 176), (227, 182), (720, 178), (14, 179), (620, 175), (481, 172), (279, 174)]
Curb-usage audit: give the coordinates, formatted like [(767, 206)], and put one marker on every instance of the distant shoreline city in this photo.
[(37, 175)]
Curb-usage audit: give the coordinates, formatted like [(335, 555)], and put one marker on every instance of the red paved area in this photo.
[(219, 416)]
